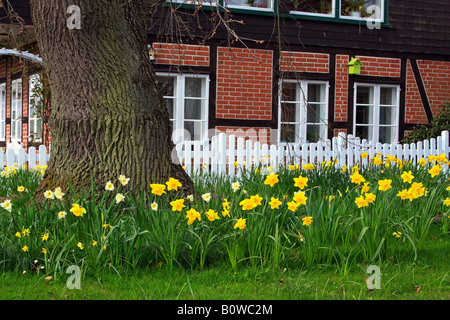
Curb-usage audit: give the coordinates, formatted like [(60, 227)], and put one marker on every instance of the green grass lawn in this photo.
[(427, 278)]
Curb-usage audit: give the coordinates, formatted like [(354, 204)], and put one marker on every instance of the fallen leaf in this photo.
[(418, 288), (48, 278)]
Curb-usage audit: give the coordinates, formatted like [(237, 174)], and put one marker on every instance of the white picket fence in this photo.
[(230, 155), (18, 155), (222, 152)]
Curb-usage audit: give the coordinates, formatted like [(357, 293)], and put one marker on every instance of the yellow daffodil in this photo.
[(271, 179), (247, 204), (407, 177), (370, 197), (397, 234), (403, 194), (212, 215), (301, 182), (241, 223), (193, 214), (274, 203), (361, 202), (226, 213), (384, 185), (77, 210), (365, 188), (307, 221), (45, 237), (435, 170), (446, 202), (173, 184), (256, 199), (94, 243), (80, 245), (422, 162), (26, 232), (377, 161), (21, 189), (177, 205), (18, 234), (300, 197), (44, 251), (25, 248), (158, 189), (226, 204), (293, 205), (357, 178)]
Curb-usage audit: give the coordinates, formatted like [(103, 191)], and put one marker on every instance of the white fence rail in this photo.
[(221, 153)]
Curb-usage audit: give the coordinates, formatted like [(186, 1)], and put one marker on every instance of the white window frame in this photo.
[(33, 117), (302, 92), (179, 133), (376, 110), (246, 6), (315, 14), (375, 19), (214, 3), (3, 112), (16, 111)]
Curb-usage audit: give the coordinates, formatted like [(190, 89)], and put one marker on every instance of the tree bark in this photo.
[(108, 117)]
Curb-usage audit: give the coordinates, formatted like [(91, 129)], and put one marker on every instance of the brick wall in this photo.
[(414, 112), (304, 62), (181, 54), (341, 92), (436, 79), (244, 83), (379, 66)]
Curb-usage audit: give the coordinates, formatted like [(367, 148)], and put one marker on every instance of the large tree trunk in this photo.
[(108, 117)]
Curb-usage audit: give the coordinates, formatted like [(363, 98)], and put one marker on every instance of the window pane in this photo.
[(315, 113), (193, 109), (289, 133), (315, 133), (167, 85), (388, 96), (193, 87), (289, 112), (316, 92), (364, 115), (312, 6), (289, 92), (170, 107), (251, 3), (39, 128), (387, 115), (364, 95), (387, 135), (364, 132), (195, 130), (360, 9)]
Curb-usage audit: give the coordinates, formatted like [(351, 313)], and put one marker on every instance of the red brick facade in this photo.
[(245, 85)]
